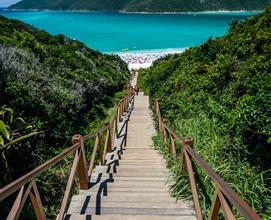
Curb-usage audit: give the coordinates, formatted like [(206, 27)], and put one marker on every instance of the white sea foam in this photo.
[(193, 13), (145, 58), (135, 12)]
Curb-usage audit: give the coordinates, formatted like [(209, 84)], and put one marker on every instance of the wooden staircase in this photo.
[(133, 182)]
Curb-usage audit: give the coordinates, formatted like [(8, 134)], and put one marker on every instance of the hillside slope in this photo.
[(143, 5), (194, 5), (55, 80), (92, 5), (220, 93), (54, 85)]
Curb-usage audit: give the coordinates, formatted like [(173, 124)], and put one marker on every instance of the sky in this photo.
[(5, 3)]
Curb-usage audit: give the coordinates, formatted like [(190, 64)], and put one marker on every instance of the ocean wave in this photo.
[(150, 51)]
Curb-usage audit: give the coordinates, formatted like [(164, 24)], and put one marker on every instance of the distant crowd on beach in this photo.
[(139, 60)]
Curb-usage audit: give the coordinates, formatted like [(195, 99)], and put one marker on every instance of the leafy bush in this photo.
[(220, 93), (143, 5), (61, 88)]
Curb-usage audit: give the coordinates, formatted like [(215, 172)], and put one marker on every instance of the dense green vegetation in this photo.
[(194, 5), (220, 93), (51, 87), (143, 5), (92, 5)]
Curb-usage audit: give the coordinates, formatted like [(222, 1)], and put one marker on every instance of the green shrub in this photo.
[(220, 93), (61, 87)]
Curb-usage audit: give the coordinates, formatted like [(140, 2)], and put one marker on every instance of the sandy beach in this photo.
[(144, 59)]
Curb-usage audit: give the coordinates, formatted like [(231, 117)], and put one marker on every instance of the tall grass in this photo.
[(225, 156)]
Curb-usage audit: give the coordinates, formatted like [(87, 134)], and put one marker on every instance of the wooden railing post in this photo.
[(122, 107), (158, 115), (119, 111), (127, 104), (173, 145), (156, 107), (225, 198), (116, 127), (100, 150), (82, 165), (124, 104), (164, 132), (130, 91), (93, 156), (107, 144), (188, 142), (136, 89)]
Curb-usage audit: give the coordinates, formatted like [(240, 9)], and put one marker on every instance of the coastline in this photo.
[(145, 58), (138, 12), (194, 12), (136, 59)]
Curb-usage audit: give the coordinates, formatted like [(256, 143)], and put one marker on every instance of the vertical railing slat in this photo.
[(164, 133), (116, 126), (79, 164), (19, 202), (225, 207), (172, 144), (82, 164), (215, 207), (107, 143), (93, 156), (119, 111), (36, 202), (193, 185), (69, 185)]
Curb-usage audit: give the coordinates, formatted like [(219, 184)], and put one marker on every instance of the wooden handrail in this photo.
[(93, 134), (176, 136), (27, 178), (136, 89), (225, 197), (27, 185), (244, 209)]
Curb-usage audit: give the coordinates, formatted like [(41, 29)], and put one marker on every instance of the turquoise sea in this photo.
[(112, 32)]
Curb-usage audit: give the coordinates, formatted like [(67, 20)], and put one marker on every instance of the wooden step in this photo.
[(127, 156), (113, 188), (134, 182), (132, 145), (133, 199), (148, 166), (128, 168), (135, 195), (132, 211), (139, 174), (127, 217), (139, 183), (92, 204), (143, 162), (150, 153)]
